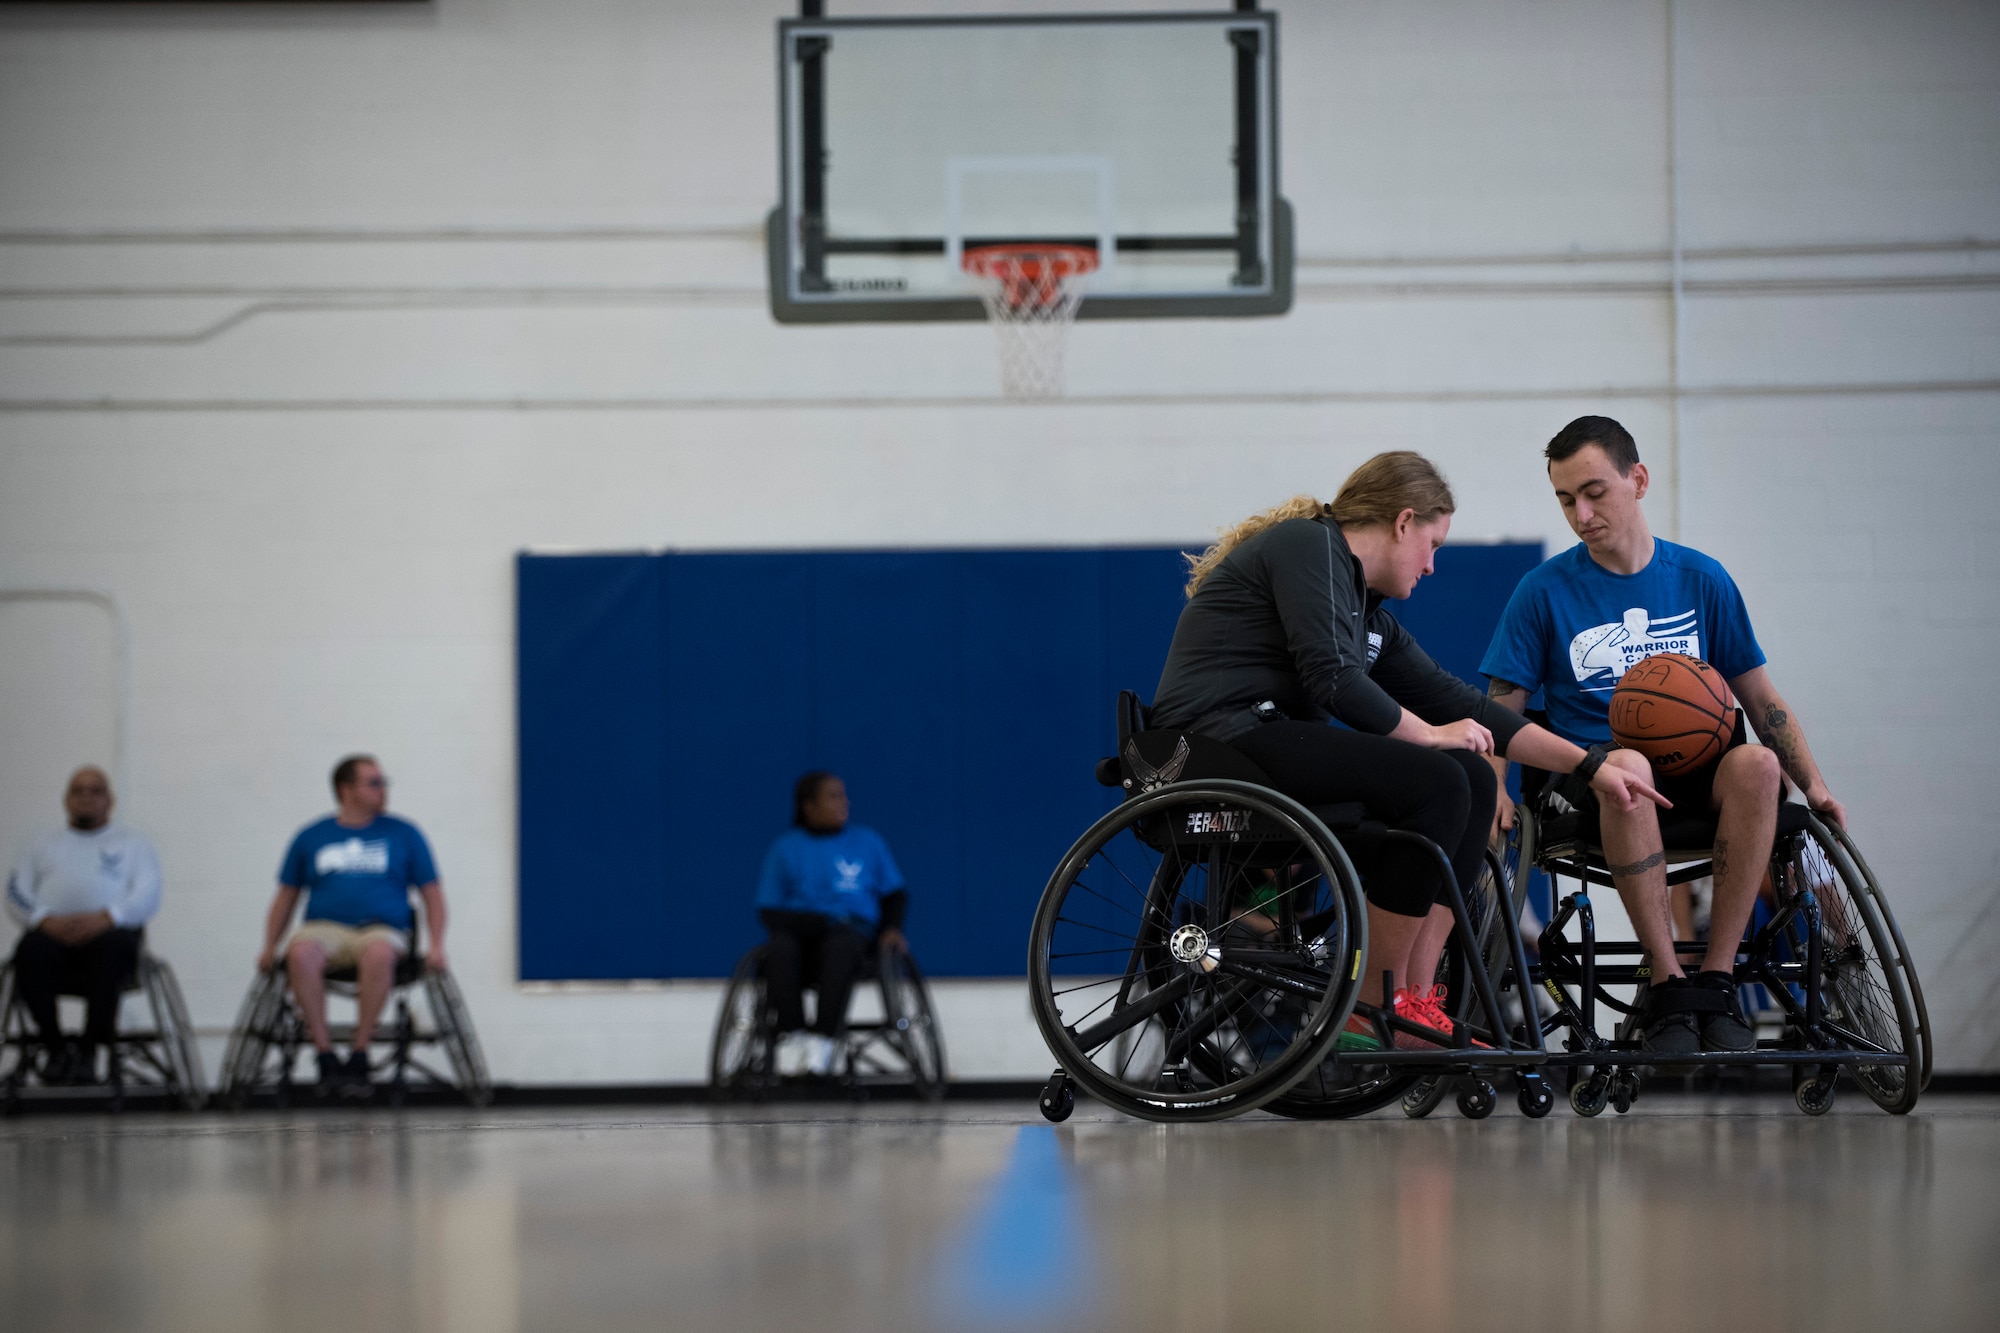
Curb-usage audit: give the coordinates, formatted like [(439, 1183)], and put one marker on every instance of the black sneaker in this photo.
[(1725, 1029), (1670, 1027), (356, 1085), (330, 1076), (58, 1064)]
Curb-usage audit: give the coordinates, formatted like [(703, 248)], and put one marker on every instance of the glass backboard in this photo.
[(1150, 138)]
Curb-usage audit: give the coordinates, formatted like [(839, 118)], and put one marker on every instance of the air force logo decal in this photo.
[(1149, 777)]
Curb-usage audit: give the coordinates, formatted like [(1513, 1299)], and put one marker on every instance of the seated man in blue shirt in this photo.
[(356, 869), (1573, 626), (829, 892)]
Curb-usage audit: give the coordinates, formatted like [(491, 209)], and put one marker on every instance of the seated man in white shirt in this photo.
[(83, 896)]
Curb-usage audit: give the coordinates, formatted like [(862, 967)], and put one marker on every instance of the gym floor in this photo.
[(1691, 1212)]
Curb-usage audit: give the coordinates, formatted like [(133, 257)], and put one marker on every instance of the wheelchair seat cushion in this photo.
[(1681, 834), (1177, 756), (1153, 757), (1343, 817), (409, 971)]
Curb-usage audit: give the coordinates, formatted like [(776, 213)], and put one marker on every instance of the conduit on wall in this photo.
[(122, 639)]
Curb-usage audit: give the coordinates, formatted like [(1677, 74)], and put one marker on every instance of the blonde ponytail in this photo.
[(1375, 492)]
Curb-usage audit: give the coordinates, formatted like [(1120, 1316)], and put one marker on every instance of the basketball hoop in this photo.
[(1031, 293)]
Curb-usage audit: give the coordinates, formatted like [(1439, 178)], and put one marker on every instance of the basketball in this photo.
[(1674, 709)]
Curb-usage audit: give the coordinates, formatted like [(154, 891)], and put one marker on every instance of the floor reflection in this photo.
[(1026, 1256), (786, 1218)]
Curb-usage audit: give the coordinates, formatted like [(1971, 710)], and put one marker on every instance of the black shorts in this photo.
[(1691, 793)]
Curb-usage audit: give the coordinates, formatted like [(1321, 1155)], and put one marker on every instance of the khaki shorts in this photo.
[(343, 943)]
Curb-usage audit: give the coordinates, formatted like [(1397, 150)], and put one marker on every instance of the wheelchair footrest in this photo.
[(1633, 1057)]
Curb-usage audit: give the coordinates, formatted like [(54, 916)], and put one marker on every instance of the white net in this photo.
[(1031, 296)]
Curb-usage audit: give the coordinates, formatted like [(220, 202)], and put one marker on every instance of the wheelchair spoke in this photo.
[(1145, 894), (1085, 925), (1134, 1013)]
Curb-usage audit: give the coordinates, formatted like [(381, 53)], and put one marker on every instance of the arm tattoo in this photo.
[(1497, 688), (1777, 733), (1721, 859), (1637, 867)]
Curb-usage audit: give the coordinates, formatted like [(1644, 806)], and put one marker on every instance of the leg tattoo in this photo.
[(1637, 867), (1721, 859)]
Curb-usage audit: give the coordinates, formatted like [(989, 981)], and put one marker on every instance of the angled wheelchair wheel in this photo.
[(251, 1039), (176, 1029), (1865, 1002), (1900, 962), (906, 1006), (455, 1032), (15, 1052), (1197, 950), (1345, 1086), (740, 1056)]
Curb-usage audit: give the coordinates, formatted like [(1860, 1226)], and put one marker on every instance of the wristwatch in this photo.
[(1593, 759)]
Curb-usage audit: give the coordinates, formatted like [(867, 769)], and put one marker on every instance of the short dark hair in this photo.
[(347, 770), (804, 790), (1606, 434)]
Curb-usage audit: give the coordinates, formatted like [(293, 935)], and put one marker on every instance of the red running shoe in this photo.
[(1427, 1007), (1413, 1007)]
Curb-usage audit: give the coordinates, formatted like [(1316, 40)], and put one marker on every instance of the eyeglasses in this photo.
[(382, 783)]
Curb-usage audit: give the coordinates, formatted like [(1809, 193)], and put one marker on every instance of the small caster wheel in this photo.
[(1058, 1098), (1476, 1098), (1624, 1091), (1424, 1098), (1814, 1092), (1537, 1099), (1588, 1097)]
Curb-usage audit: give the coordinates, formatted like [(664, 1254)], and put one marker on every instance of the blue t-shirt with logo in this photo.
[(359, 876), (1573, 627), (841, 875)]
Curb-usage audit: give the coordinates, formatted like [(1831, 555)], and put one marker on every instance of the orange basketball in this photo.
[(1674, 709)]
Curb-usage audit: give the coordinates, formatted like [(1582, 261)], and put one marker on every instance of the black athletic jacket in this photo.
[(1287, 617)]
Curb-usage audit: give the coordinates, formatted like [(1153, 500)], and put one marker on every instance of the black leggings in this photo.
[(1446, 795), (806, 943)]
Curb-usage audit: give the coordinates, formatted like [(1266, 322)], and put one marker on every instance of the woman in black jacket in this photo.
[(1285, 632)]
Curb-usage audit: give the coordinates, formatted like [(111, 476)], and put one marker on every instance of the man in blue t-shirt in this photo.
[(356, 869), (1573, 626), (829, 892)]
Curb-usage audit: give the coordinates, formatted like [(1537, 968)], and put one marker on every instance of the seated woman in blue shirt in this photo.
[(829, 892)]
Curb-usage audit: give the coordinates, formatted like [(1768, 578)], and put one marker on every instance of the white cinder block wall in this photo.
[(310, 320)]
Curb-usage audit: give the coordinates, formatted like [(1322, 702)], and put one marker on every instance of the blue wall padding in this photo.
[(668, 701)]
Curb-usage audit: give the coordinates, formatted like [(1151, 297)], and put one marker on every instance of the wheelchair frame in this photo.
[(163, 1060), (1815, 1047), (270, 1023), (1160, 780), (742, 1054)]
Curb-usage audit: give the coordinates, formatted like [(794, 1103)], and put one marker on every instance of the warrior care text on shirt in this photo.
[(1573, 628), (359, 876), (842, 875), (110, 869)]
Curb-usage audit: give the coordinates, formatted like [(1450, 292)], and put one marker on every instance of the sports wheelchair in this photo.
[(158, 1061), (1199, 949), (1830, 955), (904, 1046), (270, 1032)]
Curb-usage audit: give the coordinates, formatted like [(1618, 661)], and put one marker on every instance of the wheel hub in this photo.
[(1190, 945)]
